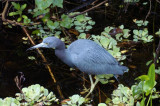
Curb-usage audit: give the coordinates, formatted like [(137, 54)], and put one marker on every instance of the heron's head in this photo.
[(49, 42)]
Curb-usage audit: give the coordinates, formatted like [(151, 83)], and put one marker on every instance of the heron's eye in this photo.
[(46, 43)]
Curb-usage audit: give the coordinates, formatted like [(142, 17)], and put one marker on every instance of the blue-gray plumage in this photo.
[(86, 55)]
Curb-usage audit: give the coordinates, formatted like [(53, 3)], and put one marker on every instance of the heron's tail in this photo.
[(124, 69)]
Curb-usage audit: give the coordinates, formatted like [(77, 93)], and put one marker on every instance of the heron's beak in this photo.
[(41, 45)]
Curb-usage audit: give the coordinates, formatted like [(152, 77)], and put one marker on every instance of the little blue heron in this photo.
[(86, 55)]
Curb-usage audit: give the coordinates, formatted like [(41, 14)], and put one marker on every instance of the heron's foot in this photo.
[(90, 91), (85, 90)]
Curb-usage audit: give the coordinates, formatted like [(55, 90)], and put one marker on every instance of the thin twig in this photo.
[(150, 6), (88, 9), (158, 1)]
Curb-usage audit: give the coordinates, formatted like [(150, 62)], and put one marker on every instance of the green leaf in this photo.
[(136, 32), (143, 102), (82, 36), (50, 24), (16, 5), (121, 27), (39, 12), (102, 104), (89, 27), (77, 23), (137, 90), (23, 6), (58, 3), (104, 42), (19, 19), (36, 32), (26, 21), (13, 13), (81, 101), (143, 78), (80, 18), (43, 4), (148, 85), (149, 62), (24, 16), (66, 21)]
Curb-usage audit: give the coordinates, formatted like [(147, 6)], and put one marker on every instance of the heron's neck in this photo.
[(64, 55)]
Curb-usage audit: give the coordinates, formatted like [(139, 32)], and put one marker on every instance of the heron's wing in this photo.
[(95, 60)]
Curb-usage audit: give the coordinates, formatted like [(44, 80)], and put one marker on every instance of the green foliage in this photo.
[(66, 21), (158, 32), (157, 71), (19, 12), (9, 101), (142, 35), (108, 39), (122, 95), (31, 58), (75, 100), (120, 34), (141, 23), (146, 85), (104, 79), (82, 22), (43, 6), (36, 94)]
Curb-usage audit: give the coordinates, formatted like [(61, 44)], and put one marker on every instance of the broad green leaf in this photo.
[(36, 31), (50, 24), (19, 19), (104, 42), (23, 7), (13, 13), (80, 18), (43, 4), (26, 21), (143, 78), (66, 21), (75, 98), (137, 89), (82, 36), (116, 100), (24, 16), (16, 5), (136, 32), (81, 101), (46, 18), (89, 27), (149, 62), (121, 27), (77, 23), (143, 102), (58, 3), (148, 85), (41, 12)]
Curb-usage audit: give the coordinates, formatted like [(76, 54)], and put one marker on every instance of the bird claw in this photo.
[(85, 90)]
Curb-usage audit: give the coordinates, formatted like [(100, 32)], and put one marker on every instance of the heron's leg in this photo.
[(92, 85), (90, 77)]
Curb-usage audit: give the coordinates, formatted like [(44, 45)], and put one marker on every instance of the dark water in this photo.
[(14, 58)]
